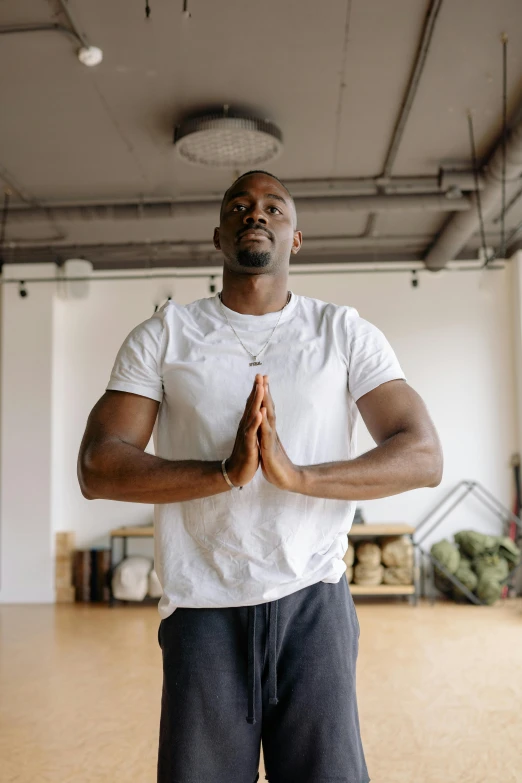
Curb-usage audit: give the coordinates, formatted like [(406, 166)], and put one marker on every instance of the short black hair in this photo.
[(247, 174)]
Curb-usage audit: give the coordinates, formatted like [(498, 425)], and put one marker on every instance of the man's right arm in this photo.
[(113, 463)]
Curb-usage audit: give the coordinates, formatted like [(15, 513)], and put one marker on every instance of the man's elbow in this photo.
[(86, 487), (86, 493), (87, 479), (436, 466)]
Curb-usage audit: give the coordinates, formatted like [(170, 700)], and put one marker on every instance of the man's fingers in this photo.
[(251, 430), (265, 424), (267, 400), (251, 402), (265, 432), (255, 405)]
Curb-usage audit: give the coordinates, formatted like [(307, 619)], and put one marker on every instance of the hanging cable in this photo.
[(513, 233), (64, 5), (502, 251), (5, 212), (477, 188)]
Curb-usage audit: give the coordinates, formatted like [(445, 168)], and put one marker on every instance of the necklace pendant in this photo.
[(254, 364)]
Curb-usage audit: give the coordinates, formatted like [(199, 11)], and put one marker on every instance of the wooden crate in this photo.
[(65, 543), (65, 595), (63, 566)]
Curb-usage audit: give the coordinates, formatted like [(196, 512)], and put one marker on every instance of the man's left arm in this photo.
[(408, 454)]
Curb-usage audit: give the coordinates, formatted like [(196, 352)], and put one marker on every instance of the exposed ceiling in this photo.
[(338, 78)]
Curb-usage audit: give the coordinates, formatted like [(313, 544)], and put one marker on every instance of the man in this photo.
[(254, 482)]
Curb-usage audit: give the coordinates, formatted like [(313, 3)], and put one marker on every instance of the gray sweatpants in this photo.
[(281, 673)]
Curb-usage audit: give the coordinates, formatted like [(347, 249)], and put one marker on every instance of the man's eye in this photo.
[(276, 209), (238, 206)]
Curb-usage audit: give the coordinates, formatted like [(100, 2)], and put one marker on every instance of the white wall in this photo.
[(26, 522), (454, 336), (517, 336)]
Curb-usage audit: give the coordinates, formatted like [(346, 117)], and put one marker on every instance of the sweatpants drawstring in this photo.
[(252, 611), (272, 653), (272, 658)]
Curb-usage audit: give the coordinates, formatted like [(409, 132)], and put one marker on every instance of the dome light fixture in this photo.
[(227, 138), (90, 55)]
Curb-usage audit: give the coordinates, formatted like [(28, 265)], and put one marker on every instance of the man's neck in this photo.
[(255, 302)]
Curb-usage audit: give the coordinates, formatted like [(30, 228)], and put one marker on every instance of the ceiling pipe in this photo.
[(182, 247), (461, 227), (447, 179), (192, 252), (171, 209), (409, 97), (413, 84)]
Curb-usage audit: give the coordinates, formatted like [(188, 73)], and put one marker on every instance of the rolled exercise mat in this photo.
[(397, 551), (368, 553), (368, 575), (398, 575)]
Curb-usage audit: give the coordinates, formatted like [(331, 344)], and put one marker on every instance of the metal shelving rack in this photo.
[(461, 491)]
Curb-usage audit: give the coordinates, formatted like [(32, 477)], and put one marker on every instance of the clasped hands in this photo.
[(276, 465), (257, 443)]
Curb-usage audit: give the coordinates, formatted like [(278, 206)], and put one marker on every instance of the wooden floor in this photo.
[(440, 693)]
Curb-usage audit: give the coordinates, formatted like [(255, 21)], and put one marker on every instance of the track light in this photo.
[(414, 279), (22, 290)]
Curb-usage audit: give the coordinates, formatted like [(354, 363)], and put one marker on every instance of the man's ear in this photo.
[(216, 239), (298, 241)]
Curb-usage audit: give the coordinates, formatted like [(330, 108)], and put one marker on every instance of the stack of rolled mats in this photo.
[(349, 560), (480, 562), (391, 563)]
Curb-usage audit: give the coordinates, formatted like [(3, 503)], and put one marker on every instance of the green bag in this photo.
[(509, 550), (489, 589), (447, 554), (494, 565), (473, 543)]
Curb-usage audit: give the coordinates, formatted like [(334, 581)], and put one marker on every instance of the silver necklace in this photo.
[(255, 363)]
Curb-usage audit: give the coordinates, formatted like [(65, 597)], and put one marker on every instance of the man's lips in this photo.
[(253, 234)]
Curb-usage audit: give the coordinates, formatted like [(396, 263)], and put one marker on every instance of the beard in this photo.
[(253, 258)]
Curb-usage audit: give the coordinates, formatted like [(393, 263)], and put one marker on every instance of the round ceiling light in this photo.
[(227, 139), (90, 56)]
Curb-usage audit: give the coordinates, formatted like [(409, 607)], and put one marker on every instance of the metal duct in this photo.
[(171, 209), (461, 227)]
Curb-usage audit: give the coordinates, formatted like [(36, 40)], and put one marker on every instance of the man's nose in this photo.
[(254, 215)]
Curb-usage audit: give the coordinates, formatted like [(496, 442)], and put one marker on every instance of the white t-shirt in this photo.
[(241, 548)]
